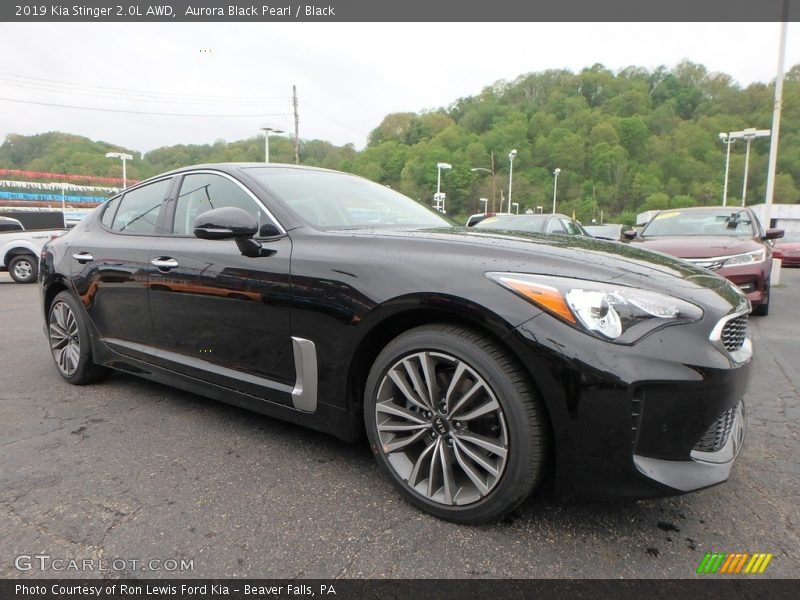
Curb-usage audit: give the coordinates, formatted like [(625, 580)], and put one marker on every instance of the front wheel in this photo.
[(24, 268), (762, 310), (455, 423)]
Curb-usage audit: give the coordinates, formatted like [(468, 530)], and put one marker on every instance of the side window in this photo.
[(556, 226), (109, 211), (11, 225), (202, 192), (571, 227), (139, 209)]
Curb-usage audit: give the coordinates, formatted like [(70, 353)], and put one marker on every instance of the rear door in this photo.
[(110, 266)]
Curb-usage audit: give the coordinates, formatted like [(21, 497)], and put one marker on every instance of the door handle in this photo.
[(83, 257), (164, 262)]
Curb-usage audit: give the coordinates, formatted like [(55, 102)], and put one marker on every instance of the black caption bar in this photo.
[(399, 10), (710, 588)]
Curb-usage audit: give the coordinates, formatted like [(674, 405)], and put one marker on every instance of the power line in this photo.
[(133, 97), (141, 112), (68, 84), (342, 123)]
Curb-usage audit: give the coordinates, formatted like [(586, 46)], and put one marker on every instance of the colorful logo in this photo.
[(721, 562)]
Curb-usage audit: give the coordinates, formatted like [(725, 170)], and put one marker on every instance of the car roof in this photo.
[(229, 167)]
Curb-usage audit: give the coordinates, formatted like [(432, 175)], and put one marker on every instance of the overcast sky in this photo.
[(348, 76)]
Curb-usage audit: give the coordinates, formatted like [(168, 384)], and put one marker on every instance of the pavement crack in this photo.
[(30, 437)]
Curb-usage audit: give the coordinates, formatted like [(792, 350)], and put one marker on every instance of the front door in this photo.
[(217, 315)]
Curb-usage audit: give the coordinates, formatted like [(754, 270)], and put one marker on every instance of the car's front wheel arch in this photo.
[(383, 332)]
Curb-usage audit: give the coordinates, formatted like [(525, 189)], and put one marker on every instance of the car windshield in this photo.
[(529, 223), (716, 221), (336, 200), (607, 231)]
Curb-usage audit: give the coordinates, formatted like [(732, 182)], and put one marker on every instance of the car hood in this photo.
[(787, 245), (693, 246), (577, 257)]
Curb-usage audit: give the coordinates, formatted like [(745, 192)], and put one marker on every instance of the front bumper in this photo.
[(753, 280), (630, 421), (706, 468)]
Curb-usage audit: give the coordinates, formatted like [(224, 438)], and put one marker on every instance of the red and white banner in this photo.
[(63, 176)]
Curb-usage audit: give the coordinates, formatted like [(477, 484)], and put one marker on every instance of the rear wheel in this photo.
[(70, 343), (24, 268), (455, 423)]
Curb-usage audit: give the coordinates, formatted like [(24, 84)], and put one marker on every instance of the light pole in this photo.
[(491, 172), (267, 130), (485, 204), (556, 171), (123, 157), (439, 198), (516, 207), (749, 135), (511, 156), (726, 139)]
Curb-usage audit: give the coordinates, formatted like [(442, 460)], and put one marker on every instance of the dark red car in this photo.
[(728, 240), (788, 249)]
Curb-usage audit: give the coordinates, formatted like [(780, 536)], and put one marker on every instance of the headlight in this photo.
[(611, 312), (746, 258)]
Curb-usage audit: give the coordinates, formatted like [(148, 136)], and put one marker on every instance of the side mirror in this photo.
[(630, 234), (226, 223), (773, 234)]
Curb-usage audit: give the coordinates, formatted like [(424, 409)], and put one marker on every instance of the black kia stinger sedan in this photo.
[(476, 362)]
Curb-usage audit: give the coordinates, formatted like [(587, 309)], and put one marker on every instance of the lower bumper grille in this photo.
[(716, 436)]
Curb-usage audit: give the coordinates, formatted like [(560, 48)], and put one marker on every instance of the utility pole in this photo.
[(296, 127), (776, 118)]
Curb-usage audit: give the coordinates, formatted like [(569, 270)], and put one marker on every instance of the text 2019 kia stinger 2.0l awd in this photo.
[(476, 362)]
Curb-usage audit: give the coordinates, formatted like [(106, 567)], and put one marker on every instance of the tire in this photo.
[(24, 268), (762, 310), (487, 450), (70, 343)]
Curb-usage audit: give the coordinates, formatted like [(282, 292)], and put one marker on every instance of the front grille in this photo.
[(733, 333), (706, 263), (715, 437)]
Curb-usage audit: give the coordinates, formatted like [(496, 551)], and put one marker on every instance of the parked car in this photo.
[(476, 362), (538, 223), (728, 240), (19, 249), (788, 249), (607, 231), (477, 218)]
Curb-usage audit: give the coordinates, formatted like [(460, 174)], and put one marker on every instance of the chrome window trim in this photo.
[(99, 220), (247, 190)]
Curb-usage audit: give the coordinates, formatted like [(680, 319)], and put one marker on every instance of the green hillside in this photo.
[(625, 142)]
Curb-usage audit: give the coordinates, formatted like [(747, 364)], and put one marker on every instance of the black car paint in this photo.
[(351, 291)]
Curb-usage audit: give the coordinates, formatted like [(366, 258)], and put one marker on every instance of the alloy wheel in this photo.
[(441, 428), (64, 338)]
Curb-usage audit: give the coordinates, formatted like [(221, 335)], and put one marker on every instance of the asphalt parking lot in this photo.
[(128, 469)]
